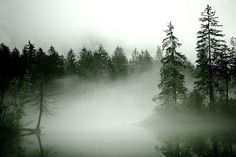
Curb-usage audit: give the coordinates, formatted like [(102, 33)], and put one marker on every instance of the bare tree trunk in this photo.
[(211, 90)]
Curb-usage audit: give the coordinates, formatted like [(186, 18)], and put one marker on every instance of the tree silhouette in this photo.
[(56, 63), (225, 72), (134, 62), (209, 47), (11, 68), (159, 55), (145, 61), (28, 59), (101, 63), (172, 81), (86, 67), (141, 62), (119, 63), (71, 63)]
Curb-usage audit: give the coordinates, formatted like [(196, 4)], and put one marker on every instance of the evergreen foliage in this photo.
[(71, 63), (119, 63), (171, 84), (209, 49)]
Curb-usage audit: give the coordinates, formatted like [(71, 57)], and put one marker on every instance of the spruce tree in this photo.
[(71, 62), (233, 53), (86, 67), (4, 78), (158, 55), (134, 62), (224, 66), (56, 62), (141, 62), (209, 48), (43, 91), (119, 63), (28, 58), (172, 81), (145, 61), (101, 62)]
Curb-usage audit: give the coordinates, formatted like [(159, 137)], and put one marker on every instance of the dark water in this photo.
[(121, 141), (106, 123)]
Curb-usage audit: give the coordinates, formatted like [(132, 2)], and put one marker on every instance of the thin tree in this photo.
[(209, 46), (134, 62), (159, 55), (42, 96), (225, 73), (172, 81)]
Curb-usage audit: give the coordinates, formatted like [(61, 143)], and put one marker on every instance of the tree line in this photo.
[(27, 76), (214, 72)]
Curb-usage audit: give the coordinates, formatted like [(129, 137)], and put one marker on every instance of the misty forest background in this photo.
[(28, 77)]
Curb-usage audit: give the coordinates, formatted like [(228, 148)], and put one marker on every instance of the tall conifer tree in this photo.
[(209, 48), (172, 81)]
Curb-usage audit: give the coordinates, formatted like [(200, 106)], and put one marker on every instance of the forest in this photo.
[(29, 79)]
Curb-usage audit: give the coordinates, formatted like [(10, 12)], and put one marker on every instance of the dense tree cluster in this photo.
[(214, 73), (200, 146), (26, 76), (32, 71)]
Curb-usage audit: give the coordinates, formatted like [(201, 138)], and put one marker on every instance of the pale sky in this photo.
[(128, 23)]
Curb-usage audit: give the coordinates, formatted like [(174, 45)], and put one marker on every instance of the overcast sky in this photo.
[(129, 23)]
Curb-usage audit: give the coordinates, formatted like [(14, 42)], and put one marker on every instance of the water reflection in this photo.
[(15, 147), (44, 151), (188, 144), (217, 144), (10, 146)]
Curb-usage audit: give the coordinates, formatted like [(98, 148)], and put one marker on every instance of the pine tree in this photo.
[(42, 83), (86, 67), (145, 61), (209, 48), (17, 66), (71, 62), (172, 81), (224, 72), (28, 57), (134, 62), (119, 63), (101, 62), (141, 62), (56, 62), (233, 53), (159, 54), (5, 77)]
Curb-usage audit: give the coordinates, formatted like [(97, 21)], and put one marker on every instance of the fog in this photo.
[(105, 103), (116, 118), (102, 105), (77, 23), (100, 118)]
